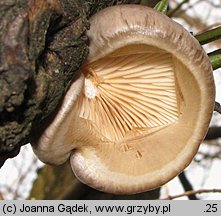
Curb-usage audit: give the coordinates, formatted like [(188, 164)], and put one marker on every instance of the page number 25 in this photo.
[(211, 208)]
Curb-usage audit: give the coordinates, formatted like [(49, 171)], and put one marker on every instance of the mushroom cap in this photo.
[(145, 105)]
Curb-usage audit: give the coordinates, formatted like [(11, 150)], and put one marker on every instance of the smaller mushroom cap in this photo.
[(143, 103)]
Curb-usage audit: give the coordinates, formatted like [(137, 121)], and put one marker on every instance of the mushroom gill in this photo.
[(128, 90), (137, 115)]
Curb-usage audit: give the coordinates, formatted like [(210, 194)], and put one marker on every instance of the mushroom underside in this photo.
[(137, 114), (132, 119)]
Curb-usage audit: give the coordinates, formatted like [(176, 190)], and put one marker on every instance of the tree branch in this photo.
[(173, 11), (209, 36), (215, 59), (187, 186), (188, 193), (213, 133), (42, 49)]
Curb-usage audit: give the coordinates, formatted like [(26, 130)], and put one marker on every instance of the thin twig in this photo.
[(22, 177), (7, 190), (187, 185), (207, 156), (173, 11), (209, 36), (213, 133), (1, 196), (188, 193), (217, 107)]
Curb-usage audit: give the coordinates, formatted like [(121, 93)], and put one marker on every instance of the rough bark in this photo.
[(42, 46)]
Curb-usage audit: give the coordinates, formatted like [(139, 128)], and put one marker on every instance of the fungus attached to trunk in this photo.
[(138, 113)]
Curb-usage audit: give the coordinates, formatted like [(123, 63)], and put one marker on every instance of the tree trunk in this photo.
[(42, 46)]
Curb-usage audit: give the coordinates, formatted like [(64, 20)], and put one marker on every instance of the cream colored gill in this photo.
[(128, 90)]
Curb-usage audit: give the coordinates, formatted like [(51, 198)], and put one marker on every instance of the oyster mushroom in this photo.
[(138, 113)]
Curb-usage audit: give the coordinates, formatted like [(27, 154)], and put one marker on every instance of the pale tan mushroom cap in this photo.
[(145, 107)]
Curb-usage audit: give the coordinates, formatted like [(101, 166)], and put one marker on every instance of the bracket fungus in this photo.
[(141, 107)]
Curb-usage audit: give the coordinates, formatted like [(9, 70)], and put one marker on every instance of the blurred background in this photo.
[(25, 177)]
